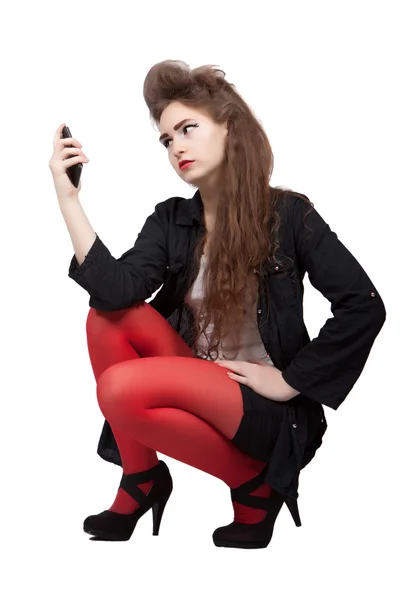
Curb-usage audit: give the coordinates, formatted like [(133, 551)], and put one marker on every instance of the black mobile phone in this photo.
[(74, 172)]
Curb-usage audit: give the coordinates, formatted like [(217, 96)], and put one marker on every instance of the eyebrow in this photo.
[(176, 127)]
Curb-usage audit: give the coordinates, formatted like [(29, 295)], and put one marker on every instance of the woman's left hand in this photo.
[(261, 377)]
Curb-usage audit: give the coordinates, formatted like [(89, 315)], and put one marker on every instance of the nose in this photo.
[(178, 150)]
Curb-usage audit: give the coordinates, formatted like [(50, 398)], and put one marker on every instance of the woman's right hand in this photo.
[(59, 163)]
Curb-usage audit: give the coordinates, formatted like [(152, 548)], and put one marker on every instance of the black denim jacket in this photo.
[(323, 370)]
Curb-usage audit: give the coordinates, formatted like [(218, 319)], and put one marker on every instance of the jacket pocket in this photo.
[(282, 282)]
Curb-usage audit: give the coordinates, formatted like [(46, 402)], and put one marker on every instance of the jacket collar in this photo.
[(190, 210)]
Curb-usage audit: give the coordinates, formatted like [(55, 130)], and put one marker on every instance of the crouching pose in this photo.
[(218, 370)]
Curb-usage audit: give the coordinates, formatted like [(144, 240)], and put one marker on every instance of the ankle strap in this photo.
[(242, 493), (250, 486), (130, 482), (252, 501)]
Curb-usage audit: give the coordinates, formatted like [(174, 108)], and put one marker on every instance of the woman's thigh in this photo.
[(191, 384), (136, 332), (140, 330)]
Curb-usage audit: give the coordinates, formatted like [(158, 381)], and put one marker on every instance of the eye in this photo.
[(183, 129)]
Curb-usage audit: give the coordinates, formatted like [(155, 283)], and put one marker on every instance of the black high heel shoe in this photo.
[(112, 526), (257, 535)]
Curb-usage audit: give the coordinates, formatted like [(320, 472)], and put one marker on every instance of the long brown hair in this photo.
[(246, 229)]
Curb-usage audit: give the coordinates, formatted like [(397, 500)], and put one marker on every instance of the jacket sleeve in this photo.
[(114, 284), (327, 368)]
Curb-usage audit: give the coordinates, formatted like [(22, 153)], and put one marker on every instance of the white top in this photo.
[(251, 347)]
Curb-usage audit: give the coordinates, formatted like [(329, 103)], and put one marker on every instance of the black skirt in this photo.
[(264, 419)]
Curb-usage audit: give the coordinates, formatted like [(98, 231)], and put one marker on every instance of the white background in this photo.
[(322, 77)]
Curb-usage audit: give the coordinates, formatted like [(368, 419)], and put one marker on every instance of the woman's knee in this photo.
[(97, 320), (107, 392), (116, 316), (109, 385), (115, 384), (92, 317), (94, 325), (117, 400)]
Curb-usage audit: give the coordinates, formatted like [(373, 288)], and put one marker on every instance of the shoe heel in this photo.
[(292, 505), (158, 510)]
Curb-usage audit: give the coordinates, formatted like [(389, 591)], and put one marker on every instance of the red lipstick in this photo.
[(185, 163)]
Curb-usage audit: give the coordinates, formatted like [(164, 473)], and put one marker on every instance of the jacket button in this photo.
[(294, 425), (373, 294), (259, 311), (276, 268)]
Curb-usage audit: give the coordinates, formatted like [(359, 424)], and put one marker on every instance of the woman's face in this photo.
[(198, 139)]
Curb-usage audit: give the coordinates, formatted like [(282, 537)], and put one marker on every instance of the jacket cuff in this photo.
[(77, 271), (292, 380)]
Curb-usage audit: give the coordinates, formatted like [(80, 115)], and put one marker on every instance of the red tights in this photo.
[(168, 401)]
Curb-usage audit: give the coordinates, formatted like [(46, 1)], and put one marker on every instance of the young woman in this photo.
[(218, 370)]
